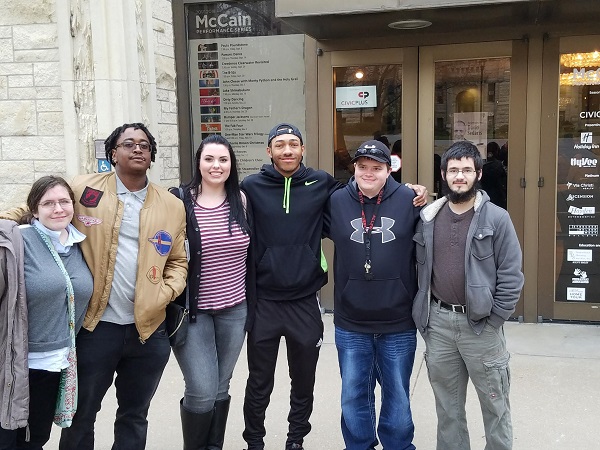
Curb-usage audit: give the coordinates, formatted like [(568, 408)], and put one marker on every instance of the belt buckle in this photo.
[(458, 309)]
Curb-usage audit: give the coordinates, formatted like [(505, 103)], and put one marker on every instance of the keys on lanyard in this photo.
[(368, 273), (367, 232)]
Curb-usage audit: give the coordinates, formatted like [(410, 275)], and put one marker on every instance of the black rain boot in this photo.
[(195, 427), (216, 435)]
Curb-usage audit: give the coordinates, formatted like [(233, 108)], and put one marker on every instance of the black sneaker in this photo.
[(296, 447)]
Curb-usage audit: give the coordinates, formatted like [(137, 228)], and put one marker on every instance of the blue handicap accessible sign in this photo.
[(103, 165)]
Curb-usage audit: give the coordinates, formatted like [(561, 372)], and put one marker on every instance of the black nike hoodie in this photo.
[(288, 223), (383, 304)]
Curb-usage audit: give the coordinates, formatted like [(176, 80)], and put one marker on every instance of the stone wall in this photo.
[(166, 96), (31, 115), (59, 90)]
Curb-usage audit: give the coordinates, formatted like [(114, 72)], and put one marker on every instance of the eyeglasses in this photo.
[(130, 146), (51, 204), (467, 171)]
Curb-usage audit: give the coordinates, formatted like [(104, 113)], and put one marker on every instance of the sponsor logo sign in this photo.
[(356, 97)]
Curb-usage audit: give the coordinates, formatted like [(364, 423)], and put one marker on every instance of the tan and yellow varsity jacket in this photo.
[(161, 262)]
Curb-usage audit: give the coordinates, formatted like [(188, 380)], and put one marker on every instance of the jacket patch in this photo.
[(90, 197), (162, 242), (154, 274), (88, 221)]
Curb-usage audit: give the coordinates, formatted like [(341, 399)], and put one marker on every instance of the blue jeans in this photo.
[(208, 357), (107, 350), (365, 358)]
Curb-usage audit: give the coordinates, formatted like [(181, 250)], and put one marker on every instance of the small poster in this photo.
[(472, 127)]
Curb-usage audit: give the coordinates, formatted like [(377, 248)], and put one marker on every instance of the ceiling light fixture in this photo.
[(591, 59), (359, 74), (410, 24)]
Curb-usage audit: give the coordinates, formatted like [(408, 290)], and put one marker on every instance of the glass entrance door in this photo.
[(472, 98), (371, 95), (532, 107), (468, 92), (426, 98), (366, 94), (368, 105), (572, 291)]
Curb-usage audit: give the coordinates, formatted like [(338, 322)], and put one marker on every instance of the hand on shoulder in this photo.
[(421, 194)]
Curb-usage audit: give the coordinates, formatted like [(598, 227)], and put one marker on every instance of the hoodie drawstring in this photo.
[(286, 194)]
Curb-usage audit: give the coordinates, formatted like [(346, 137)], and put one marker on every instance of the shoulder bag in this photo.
[(177, 315)]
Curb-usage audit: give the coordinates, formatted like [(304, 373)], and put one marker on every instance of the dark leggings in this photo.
[(43, 388)]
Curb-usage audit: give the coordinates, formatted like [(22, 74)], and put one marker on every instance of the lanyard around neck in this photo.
[(367, 230)]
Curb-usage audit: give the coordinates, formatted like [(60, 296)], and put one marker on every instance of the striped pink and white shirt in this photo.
[(223, 264)]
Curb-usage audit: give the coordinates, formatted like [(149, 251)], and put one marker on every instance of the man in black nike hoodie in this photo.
[(372, 224), (290, 201)]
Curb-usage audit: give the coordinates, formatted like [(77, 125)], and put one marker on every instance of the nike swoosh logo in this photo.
[(308, 183)]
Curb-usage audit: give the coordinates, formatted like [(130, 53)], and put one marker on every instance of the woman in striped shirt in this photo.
[(219, 239)]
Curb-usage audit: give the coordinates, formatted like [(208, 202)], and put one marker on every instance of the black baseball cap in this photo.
[(375, 150), (284, 128)]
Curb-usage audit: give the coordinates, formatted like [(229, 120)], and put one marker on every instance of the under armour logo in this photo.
[(385, 230)]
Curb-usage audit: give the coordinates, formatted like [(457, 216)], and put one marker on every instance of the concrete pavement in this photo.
[(555, 396)]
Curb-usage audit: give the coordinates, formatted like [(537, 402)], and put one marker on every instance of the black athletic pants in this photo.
[(299, 321)]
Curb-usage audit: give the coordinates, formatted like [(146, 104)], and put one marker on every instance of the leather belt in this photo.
[(454, 308)]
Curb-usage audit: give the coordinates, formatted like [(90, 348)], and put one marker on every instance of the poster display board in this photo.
[(578, 180), (246, 76)]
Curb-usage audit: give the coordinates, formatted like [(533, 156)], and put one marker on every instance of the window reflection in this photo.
[(354, 125), (472, 103)]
